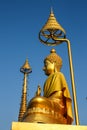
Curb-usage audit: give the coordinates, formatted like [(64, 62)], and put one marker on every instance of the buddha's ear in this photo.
[(55, 69)]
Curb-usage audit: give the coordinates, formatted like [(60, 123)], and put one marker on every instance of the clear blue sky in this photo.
[(20, 23)]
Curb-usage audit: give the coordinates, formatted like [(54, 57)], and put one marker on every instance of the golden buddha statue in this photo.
[(55, 106), (56, 88)]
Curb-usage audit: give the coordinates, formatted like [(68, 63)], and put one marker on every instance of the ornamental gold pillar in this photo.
[(25, 69)]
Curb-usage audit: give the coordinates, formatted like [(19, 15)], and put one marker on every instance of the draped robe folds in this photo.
[(54, 83)]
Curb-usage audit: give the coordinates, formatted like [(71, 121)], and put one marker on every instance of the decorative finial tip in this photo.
[(52, 10), (26, 59), (53, 50)]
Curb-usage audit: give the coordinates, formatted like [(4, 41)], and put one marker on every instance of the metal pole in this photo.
[(73, 82), (72, 79)]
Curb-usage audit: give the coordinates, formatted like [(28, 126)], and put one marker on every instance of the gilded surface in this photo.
[(56, 88), (55, 106), (25, 69), (50, 30), (52, 24)]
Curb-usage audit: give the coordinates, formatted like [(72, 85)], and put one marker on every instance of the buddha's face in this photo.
[(48, 67)]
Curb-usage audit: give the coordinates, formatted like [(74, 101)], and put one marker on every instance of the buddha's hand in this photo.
[(60, 94)]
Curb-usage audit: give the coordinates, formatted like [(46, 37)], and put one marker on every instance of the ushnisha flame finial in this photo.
[(51, 30)]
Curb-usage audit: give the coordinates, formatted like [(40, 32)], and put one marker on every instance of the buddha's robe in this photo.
[(56, 89)]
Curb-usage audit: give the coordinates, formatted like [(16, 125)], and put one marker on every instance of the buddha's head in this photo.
[(52, 63)]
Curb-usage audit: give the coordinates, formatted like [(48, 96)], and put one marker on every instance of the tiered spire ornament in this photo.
[(50, 30), (25, 69)]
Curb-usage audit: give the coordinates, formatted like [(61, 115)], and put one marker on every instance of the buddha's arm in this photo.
[(57, 94), (53, 86), (65, 87)]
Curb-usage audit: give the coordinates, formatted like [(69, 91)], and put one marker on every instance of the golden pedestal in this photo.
[(38, 126)]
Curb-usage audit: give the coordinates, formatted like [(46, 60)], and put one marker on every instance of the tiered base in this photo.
[(39, 126)]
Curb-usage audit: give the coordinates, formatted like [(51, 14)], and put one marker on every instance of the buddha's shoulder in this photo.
[(58, 74)]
